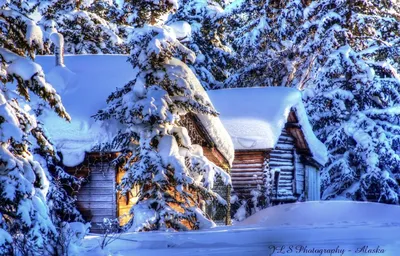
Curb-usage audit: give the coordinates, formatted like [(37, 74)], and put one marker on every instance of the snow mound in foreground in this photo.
[(320, 213)]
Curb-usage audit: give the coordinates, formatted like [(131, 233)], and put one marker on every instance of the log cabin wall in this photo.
[(282, 165), (248, 171), (299, 177), (96, 199)]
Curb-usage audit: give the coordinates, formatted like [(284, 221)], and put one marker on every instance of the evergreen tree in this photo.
[(353, 94), (60, 197), (138, 13), (207, 39), (171, 172), (26, 226), (84, 25), (262, 34)]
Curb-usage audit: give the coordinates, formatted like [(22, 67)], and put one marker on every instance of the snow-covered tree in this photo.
[(200, 26), (353, 94), (140, 12), (26, 226), (172, 174), (262, 35), (61, 200), (85, 25)]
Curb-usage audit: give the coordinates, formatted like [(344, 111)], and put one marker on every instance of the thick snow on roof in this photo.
[(84, 85), (212, 125), (255, 117)]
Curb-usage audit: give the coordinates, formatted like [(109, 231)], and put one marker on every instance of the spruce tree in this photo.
[(26, 226), (215, 59), (172, 174), (262, 35), (353, 95), (84, 25)]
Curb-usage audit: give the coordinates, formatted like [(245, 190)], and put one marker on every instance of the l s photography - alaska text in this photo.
[(303, 249)]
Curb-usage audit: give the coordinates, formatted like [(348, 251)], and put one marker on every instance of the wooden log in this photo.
[(248, 161), (285, 182), (286, 177), (250, 174), (251, 182), (285, 139), (99, 184), (284, 146), (281, 156), (95, 198), (285, 187), (286, 173), (97, 211), (284, 168), (240, 190), (283, 163), (283, 151), (246, 170), (246, 166)]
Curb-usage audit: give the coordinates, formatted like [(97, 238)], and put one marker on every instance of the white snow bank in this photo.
[(255, 117), (326, 213), (84, 85), (374, 225)]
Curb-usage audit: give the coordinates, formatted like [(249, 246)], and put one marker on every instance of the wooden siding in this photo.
[(248, 171), (313, 184), (299, 176), (281, 163), (294, 129), (125, 203), (96, 199)]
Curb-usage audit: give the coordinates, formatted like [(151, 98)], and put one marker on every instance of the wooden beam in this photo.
[(293, 125)]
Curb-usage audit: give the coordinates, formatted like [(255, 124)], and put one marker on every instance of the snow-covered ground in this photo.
[(311, 228)]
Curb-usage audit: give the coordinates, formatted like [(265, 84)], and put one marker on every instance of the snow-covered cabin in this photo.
[(275, 147), (84, 85)]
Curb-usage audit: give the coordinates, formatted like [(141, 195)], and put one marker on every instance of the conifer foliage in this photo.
[(355, 95), (171, 172), (262, 35), (205, 36), (26, 225), (87, 26)]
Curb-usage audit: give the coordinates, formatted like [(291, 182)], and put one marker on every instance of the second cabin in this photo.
[(276, 151)]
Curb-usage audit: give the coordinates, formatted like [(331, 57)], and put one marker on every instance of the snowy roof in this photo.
[(84, 85), (255, 117)]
